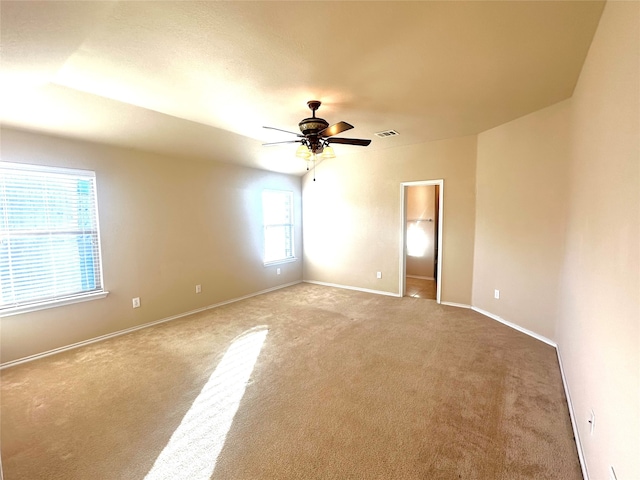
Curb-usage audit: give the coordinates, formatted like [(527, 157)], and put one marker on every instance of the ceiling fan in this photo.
[(317, 135)]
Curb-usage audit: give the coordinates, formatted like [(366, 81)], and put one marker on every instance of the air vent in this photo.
[(387, 133)]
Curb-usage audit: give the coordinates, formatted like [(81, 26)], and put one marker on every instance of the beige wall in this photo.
[(166, 224), (421, 205), (557, 231), (520, 218), (352, 215), (599, 325)]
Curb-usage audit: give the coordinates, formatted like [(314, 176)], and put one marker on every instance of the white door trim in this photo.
[(403, 234)]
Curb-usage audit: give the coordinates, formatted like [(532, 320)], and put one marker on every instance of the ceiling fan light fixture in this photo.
[(328, 152), (303, 152)]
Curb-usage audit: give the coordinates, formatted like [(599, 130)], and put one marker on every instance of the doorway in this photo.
[(421, 253)]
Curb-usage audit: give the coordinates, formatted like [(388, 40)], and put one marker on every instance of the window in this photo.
[(49, 241), (277, 214)]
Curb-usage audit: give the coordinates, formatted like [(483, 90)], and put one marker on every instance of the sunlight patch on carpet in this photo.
[(192, 451)]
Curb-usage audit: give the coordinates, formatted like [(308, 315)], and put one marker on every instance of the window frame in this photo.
[(36, 304), (265, 226)]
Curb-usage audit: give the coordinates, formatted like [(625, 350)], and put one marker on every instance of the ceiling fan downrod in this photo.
[(314, 105)]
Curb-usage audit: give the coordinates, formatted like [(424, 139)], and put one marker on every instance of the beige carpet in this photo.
[(346, 385)]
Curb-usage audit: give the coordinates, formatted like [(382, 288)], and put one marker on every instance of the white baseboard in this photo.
[(137, 327), (572, 415), (516, 327), (453, 304), (347, 287)]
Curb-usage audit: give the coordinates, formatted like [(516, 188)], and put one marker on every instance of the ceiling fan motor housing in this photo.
[(311, 126)]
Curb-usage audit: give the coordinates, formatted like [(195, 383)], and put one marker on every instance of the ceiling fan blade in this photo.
[(285, 131), (278, 143), (349, 141), (335, 129)]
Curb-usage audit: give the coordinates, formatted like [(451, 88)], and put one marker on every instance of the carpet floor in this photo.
[(307, 382)]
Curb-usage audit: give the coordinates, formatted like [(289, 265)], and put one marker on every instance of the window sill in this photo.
[(58, 302), (278, 262)]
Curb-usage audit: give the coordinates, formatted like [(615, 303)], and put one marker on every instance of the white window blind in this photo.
[(277, 211), (49, 239)]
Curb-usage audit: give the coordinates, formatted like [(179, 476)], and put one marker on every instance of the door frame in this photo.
[(403, 233)]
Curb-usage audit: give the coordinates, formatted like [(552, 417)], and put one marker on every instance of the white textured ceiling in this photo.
[(200, 79)]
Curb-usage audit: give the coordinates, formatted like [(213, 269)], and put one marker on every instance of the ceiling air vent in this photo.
[(387, 133)]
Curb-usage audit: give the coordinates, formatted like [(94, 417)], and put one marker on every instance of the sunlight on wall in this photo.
[(417, 241), (330, 217), (192, 451)]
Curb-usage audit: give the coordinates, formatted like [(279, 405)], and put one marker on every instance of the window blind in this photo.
[(49, 239), (277, 211)]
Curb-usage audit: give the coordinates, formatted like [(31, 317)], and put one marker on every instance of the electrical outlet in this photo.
[(277, 271), (136, 302), (379, 275), (592, 422), (496, 294), (198, 288)]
